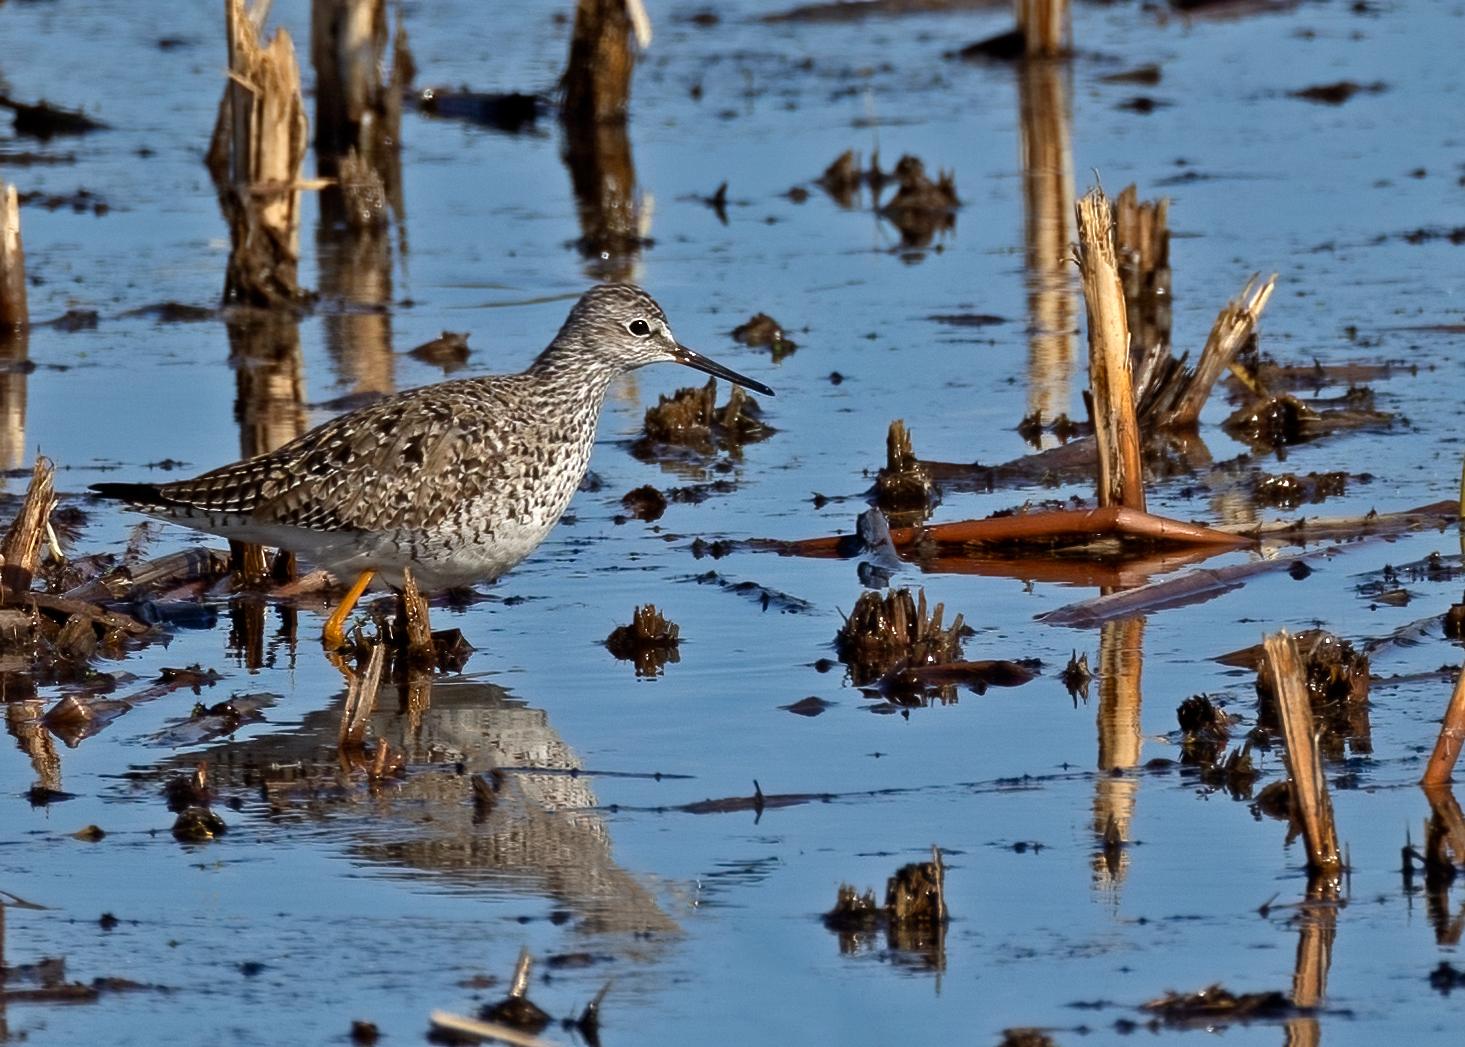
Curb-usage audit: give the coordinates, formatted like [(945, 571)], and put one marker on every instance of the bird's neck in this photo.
[(574, 372)]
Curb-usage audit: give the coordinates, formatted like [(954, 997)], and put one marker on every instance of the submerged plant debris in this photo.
[(690, 418), (650, 641)]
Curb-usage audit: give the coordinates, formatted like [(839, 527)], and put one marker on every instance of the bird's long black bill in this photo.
[(692, 358)]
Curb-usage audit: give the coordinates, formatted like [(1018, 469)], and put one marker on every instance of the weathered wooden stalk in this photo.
[(1142, 242), (255, 158), (361, 694), (348, 44), (1121, 478), (1234, 325), (596, 86), (20, 551), (13, 311), (1452, 736), (1310, 798), (1045, 28)]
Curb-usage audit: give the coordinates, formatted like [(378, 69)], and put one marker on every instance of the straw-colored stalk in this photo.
[(1452, 735), (473, 1027), (20, 551), (596, 86), (1045, 27), (1309, 789), (1121, 480), (361, 696), (256, 156), (1234, 325), (13, 312), (415, 616)]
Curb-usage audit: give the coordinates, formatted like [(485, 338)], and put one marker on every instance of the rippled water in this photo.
[(384, 904)]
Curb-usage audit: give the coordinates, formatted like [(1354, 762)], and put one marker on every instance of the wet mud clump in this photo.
[(914, 915), (1282, 420), (198, 825), (645, 503), (896, 631), (1026, 1038), (1217, 1005), (1205, 730), (764, 331), (650, 641), (448, 350), (1337, 689), (1288, 490), (1339, 92), (904, 488), (516, 1010), (691, 418), (45, 121)]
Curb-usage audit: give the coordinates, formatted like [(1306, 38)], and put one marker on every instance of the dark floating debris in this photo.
[(1217, 1005), (1143, 104), (1288, 490), (645, 503), (516, 1010), (1148, 75), (967, 319), (1446, 977), (171, 312), (650, 641), (45, 121), (81, 202), (448, 350), (1204, 733), (718, 202), (913, 917), (1281, 420), (892, 645), (1337, 680), (1338, 92), (198, 825), (1001, 47), (811, 706), (1204, 729), (858, 10), (690, 418), (511, 112), (769, 599), (763, 330), (904, 488), (1026, 1037)]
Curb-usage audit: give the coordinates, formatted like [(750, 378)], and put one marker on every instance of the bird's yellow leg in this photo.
[(334, 636)]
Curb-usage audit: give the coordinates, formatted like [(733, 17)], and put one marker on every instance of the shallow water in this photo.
[(382, 904)]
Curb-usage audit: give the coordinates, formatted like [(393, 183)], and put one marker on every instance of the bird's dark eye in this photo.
[(639, 328)]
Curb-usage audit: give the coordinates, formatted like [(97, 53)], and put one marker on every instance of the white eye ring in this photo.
[(639, 328)]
